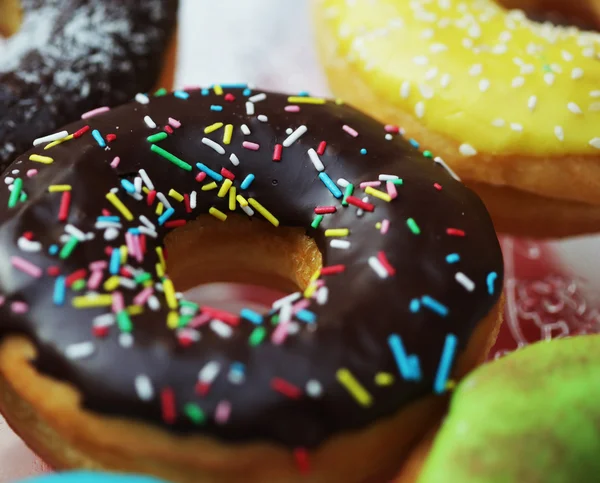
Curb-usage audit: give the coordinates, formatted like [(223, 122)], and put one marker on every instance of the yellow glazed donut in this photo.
[(509, 103)]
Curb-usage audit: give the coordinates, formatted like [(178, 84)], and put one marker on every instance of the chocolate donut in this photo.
[(411, 265), (70, 56)]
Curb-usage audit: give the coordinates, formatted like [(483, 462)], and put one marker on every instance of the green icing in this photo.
[(533, 416)]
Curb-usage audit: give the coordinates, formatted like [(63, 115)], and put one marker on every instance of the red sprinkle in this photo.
[(108, 251), (222, 315), (324, 210), (229, 97), (143, 243), (151, 197), (167, 401), (321, 148), (175, 223), (53, 271), (455, 232), (111, 137), (65, 203), (285, 388), (81, 132), (202, 388), (386, 264), (227, 174), (76, 275), (28, 235), (302, 460), (100, 331), (392, 129), (186, 201), (105, 212), (126, 273), (353, 200), (185, 340), (200, 176), (333, 269), (277, 152), (437, 186), (168, 129)]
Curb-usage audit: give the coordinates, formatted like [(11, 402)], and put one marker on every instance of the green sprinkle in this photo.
[(160, 92), (23, 197), (188, 303), (398, 181), (78, 285), (257, 336), (184, 320), (317, 221), (547, 68), (157, 137), (412, 224), (427, 154), (174, 159), (194, 412), (275, 319), (124, 322), (142, 277), (67, 249), (347, 192), (15, 193)]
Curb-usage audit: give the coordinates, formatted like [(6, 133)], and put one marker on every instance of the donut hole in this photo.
[(581, 14), (10, 17), (239, 263)]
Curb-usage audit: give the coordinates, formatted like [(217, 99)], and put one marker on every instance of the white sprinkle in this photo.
[(289, 131), (50, 138), (209, 372), (147, 222), (499, 49), (516, 127), (421, 60), (445, 80), (250, 108), (559, 133), (588, 52), (518, 81), (505, 36), (549, 78), (221, 328), (258, 97), (427, 33), (28, 245), (137, 184), (143, 387), (287, 300), (377, 267), (498, 122), (343, 182), (595, 94), (142, 98), (125, 340), (127, 283), (149, 122), (76, 232), (211, 144), (285, 314), (246, 209), (322, 295), (9, 180), (104, 320), (577, 73), (442, 163), (405, 89), (431, 74), (147, 231), (292, 138), (467, 150), (467, 43), (574, 108), (111, 233), (420, 109), (595, 143), (476, 69), (465, 281), (389, 137), (595, 106), (316, 161), (484, 85), (387, 177), (234, 159), (314, 388), (567, 56), (146, 179), (474, 31), (527, 69), (437, 48), (163, 199), (426, 91), (262, 118), (153, 303), (80, 350), (531, 103), (343, 244), (245, 130), (193, 197)]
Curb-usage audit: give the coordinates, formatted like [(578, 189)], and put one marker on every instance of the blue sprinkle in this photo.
[(204, 92), (59, 291), (53, 249), (213, 174), (165, 216), (115, 261), (247, 182), (306, 316), (414, 143), (252, 316), (453, 258), (406, 364), (443, 371), (232, 86), (216, 108), (238, 367), (413, 362), (98, 137), (115, 219), (247, 92), (134, 231), (491, 278), (434, 305), (181, 94), (414, 306), (363, 151), (303, 94), (128, 186), (331, 186)]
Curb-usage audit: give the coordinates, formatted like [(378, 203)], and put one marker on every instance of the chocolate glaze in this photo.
[(71, 56), (352, 328)]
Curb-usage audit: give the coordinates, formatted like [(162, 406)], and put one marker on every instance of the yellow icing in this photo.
[(482, 75)]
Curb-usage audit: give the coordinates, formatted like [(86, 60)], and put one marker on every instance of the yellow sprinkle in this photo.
[(160, 271), (124, 254), (218, 90), (172, 320), (384, 379), (227, 134), (213, 127), (241, 200), (378, 194), (217, 213), (224, 188), (305, 100), (315, 276), (232, 191), (170, 297), (175, 195), (209, 186), (337, 232), (263, 211), (378, 225), (58, 141), (346, 379), (159, 208), (111, 284), (135, 310), (145, 189), (149, 283), (118, 204), (90, 301), (54, 188), (41, 159), (339, 102), (310, 290), (161, 257)]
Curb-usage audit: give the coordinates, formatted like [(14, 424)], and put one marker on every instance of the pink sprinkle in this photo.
[(199, 320), (26, 266), (301, 305), (95, 280), (222, 412), (292, 108), (349, 130), (320, 283), (191, 88), (31, 173), (437, 186), (98, 265), (385, 226), (95, 112), (118, 303), (115, 162), (143, 296), (139, 255), (251, 146), (175, 123), (129, 242), (280, 333), (19, 307), (373, 184), (391, 189), (391, 128)]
